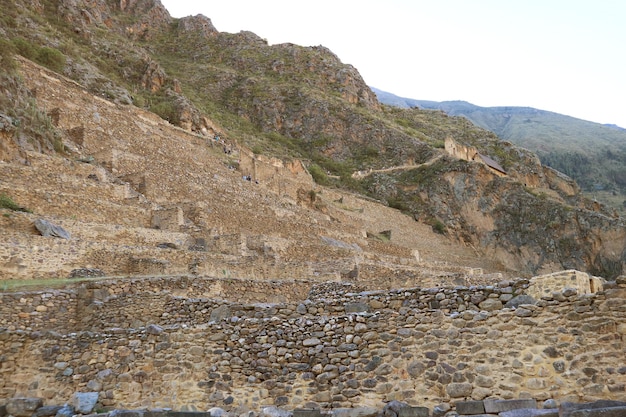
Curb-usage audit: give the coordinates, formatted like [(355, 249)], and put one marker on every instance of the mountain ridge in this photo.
[(592, 153), (283, 110)]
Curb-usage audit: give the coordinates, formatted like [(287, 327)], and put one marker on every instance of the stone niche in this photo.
[(582, 282)]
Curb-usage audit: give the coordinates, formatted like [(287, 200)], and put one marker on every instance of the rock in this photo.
[(600, 412), (441, 410), (550, 403), (354, 412), (220, 313), (530, 412), (48, 229), (568, 292), (312, 341), (410, 411), (65, 411), (522, 312), (87, 273), (498, 406), (154, 329), (216, 412), (47, 411), (470, 407), (392, 408), (356, 308), (459, 389), (490, 304), (127, 413), (23, 407), (272, 411), (84, 402), (519, 300), (568, 409), (415, 369)]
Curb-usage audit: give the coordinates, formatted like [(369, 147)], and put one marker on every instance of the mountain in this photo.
[(593, 154), (347, 186)]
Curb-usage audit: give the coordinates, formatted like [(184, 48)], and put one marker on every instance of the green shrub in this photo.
[(439, 227), (166, 110), (318, 174), (7, 202), (25, 48), (51, 58), (7, 50)]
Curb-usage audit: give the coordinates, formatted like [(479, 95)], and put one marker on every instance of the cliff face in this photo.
[(303, 103)]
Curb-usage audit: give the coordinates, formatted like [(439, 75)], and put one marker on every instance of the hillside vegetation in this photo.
[(296, 103)]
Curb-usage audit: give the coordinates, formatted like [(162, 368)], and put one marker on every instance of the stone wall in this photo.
[(582, 282), (283, 177), (144, 343)]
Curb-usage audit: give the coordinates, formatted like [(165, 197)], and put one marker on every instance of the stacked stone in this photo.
[(359, 349)]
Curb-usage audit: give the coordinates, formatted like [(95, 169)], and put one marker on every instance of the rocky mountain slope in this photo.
[(591, 153), (347, 187)]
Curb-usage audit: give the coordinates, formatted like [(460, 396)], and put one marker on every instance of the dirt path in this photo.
[(362, 174)]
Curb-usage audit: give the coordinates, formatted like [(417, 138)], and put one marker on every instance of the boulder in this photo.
[(47, 411), (23, 407), (84, 402), (48, 229)]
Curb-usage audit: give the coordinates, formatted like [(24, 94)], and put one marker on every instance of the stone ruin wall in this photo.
[(283, 177), (155, 343), (545, 285)]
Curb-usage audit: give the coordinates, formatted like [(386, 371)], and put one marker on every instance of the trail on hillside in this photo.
[(363, 174)]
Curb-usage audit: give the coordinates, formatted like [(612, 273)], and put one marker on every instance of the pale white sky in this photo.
[(565, 56)]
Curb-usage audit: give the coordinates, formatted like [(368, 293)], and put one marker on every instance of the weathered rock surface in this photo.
[(48, 229)]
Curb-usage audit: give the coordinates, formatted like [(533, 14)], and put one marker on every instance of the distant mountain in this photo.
[(591, 153)]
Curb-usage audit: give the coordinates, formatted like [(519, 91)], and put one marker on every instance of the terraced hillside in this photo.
[(142, 197)]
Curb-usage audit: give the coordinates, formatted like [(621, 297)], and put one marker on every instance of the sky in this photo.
[(565, 56)]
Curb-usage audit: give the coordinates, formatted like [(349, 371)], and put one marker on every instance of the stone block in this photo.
[(23, 407), (136, 413), (498, 406), (414, 412), (459, 389), (470, 407), (530, 412), (46, 411), (600, 412), (84, 402), (356, 308), (188, 414), (568, 409), (307, 412)]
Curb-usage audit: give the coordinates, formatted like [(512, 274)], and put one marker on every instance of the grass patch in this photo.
[(7, 202)]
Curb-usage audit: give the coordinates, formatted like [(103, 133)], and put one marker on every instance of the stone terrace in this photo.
[(141, 197)]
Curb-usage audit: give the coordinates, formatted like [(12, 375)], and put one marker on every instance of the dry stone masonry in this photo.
[(180, 343)]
